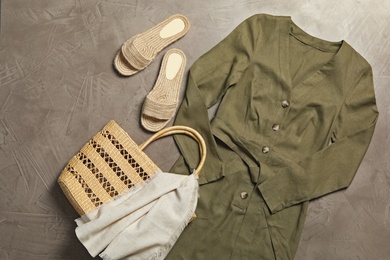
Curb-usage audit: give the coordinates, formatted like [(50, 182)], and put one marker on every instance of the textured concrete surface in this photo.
[(58, 88)]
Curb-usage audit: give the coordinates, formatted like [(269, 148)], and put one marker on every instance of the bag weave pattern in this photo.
[(107, 166)]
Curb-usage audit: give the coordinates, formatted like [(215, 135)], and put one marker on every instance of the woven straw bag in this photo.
[(110, 164)]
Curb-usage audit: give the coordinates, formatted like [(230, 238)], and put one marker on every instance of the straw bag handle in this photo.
[(181, 130)]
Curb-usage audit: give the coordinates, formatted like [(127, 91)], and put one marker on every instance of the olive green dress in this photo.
[(295, 119)]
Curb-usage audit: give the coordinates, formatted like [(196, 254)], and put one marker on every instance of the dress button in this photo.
[(244, 195), (265, 149), (275, 127), (285, 103)]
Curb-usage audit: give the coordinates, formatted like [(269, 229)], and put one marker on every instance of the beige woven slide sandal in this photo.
[(137, 52), (161, 103)]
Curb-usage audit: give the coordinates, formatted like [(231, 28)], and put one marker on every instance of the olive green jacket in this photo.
[(300, 108)]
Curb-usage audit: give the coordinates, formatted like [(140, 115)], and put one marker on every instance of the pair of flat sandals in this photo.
[(139, 51)]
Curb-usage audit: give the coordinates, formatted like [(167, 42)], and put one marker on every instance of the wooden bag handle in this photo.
[(181, 130)]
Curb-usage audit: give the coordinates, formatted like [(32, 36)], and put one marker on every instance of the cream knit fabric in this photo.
[(143, 223)]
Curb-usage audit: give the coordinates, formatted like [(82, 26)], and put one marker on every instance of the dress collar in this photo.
[(320, 44), (334, 65)]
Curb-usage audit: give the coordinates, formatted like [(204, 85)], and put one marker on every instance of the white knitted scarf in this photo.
[(144, 223)]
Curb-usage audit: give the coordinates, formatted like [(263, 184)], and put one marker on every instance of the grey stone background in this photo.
[(58, 88)]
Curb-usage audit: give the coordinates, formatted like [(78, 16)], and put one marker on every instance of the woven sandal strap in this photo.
[(159, 110), (133, 55), (181, 130)]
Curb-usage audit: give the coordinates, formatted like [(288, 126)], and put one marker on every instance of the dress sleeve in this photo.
[(334, 167), (209, 78)]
